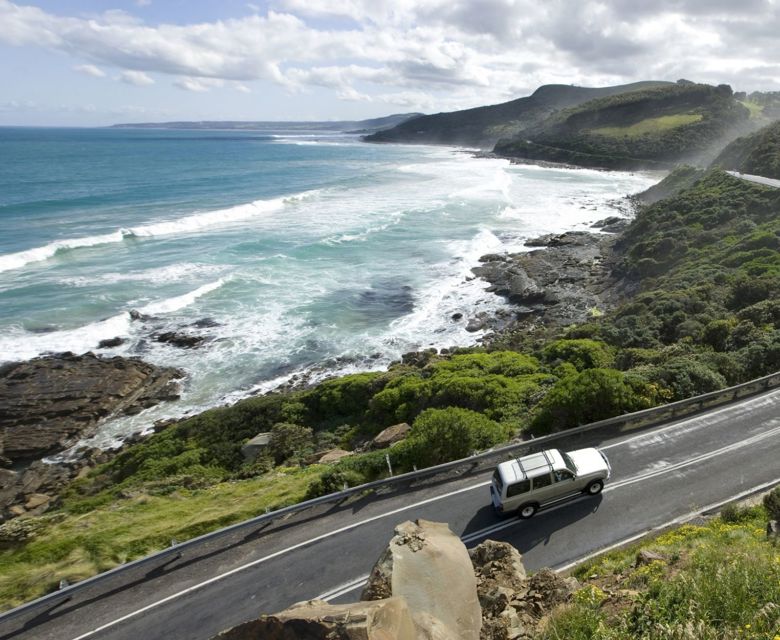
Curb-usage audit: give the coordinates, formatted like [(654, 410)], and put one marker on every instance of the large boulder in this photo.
[(334, 455), (388, 619), (429, 566), (47, 402), (256, 446), (32, 490), (391, 435)]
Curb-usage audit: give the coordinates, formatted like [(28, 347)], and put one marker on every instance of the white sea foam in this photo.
[(158, 275), (188, 224), (21, 258), (18, 344), (220, 217), (362, 236), (180, 302)]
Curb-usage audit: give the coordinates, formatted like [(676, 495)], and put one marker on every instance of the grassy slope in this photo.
[(483, 126), (757, 153), (720, 580), (73, 544), (706, 313), (649, 126), (664, 125)]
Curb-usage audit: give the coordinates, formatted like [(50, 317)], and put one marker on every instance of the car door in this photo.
[(564, 482), (543, 488)]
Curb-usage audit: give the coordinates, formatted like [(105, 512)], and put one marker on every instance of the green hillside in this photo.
[(651, 128), (757, 153), (483, 126)]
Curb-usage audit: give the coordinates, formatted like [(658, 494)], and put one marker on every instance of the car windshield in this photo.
[(569, 463)]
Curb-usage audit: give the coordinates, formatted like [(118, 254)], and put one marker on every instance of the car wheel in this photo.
[(594, 487), (527, 510)]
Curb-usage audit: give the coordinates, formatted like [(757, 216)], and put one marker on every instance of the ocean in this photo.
[(289, 252)]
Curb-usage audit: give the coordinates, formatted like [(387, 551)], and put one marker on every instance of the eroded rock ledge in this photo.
[(48, 403)]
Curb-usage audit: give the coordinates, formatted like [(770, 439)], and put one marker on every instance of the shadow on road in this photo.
[(524, 535)]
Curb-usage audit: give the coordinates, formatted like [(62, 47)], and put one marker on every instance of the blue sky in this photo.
[(95, 62)]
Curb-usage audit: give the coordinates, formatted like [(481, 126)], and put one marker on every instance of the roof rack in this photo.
[(525, 468)]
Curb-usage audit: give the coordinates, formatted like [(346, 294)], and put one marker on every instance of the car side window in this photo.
[(517, 488), (562, 475), (542, 481)]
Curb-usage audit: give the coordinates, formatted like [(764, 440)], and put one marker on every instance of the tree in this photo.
[(290, 442)]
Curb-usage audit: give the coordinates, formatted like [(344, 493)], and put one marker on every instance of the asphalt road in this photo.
[(769, 182), (659, 477)]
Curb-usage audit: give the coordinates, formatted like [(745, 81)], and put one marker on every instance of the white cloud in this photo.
[(442, 53), (90, 70), (143, 3), (137, 78), (198, 84)]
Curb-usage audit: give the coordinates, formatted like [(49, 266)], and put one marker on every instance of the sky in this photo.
[(97, 62)]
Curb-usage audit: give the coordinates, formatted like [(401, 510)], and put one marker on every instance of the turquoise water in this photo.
[(298, 252)]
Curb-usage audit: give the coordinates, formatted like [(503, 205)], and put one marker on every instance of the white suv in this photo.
[(524, 485)]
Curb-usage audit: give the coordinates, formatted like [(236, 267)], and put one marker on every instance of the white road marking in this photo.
[(696, 459), (493, 529), (652, 436), (342, 589)]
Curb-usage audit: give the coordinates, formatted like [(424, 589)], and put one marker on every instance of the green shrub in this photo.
[(344, 397), (582, 353), (332, 481), (505, 363), (501, 384), (733, 513), (290, 442), (441, 435), (589, 396), (772, 503), (684, 376)]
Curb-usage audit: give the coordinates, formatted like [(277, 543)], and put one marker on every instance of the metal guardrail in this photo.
[(593, 432)]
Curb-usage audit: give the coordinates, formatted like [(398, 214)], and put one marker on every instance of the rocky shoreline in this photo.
[(565, 279), (49, 403)]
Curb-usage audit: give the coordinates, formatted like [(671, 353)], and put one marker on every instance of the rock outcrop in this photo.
[(565, 282), (513, 604), (426, 586), (423, 562), (47, 402)]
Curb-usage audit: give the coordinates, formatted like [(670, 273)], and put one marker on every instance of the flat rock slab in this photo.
[(47, 402), (317, 620)]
